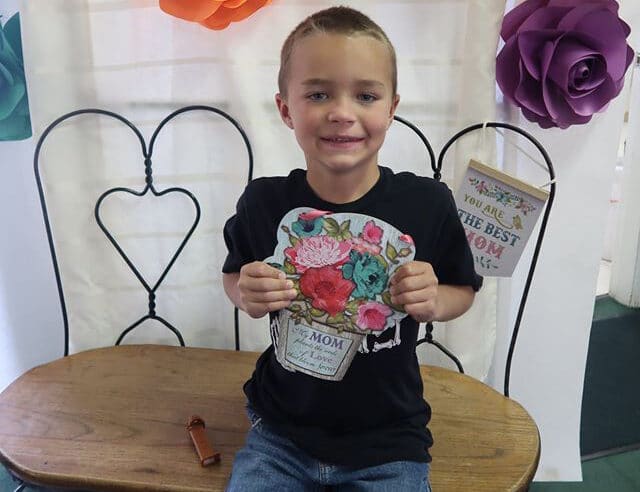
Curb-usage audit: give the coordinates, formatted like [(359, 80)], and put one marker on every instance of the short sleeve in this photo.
[(453, 263), (237, 238)]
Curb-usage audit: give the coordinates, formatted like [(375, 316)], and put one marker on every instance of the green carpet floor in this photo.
[(611, 400), (614, 473)]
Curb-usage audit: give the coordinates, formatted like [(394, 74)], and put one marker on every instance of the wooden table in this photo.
[(114, 419)]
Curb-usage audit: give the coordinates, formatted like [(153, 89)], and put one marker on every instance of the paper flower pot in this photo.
[(316, 349)]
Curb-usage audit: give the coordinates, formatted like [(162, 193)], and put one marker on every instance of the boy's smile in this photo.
[(339, 101)]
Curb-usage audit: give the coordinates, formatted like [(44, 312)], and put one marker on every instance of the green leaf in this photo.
[(294, 308), (317, 313), (344, 227), (391, 251), (354, 327), (289, 268), (307, 317), (335, 320), (404, 252), (386, 298), (331, 226), (352, 306), (293, 240), (382, 261)]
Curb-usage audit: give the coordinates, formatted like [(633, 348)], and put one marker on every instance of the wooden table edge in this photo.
[(527, 478), (33, 477)]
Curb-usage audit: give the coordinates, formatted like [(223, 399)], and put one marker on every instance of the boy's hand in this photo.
[(415, 287), (263, 289)]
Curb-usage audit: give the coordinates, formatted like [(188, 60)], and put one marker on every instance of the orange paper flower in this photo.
[(214, 14)]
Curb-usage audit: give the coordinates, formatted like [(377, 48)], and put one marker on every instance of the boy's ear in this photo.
[(283, 109), (392, 110)]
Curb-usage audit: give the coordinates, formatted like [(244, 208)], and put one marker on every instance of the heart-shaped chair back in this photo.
[(149, 190)]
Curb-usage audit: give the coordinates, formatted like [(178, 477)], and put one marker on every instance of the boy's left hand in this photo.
[(415, 287)]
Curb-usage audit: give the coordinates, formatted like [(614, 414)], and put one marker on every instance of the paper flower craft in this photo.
[(214, 14), (341, 265), (14, 106), (563, 60)]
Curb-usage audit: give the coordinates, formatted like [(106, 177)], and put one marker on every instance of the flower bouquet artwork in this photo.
[(340, 265)]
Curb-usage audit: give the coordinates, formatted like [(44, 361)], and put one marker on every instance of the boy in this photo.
[(337, 92)]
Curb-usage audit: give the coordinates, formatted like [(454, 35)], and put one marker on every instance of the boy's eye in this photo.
[(317, 96), (366, 97)]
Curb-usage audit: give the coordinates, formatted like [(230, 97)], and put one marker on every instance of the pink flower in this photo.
[(373, 316), (318, 251), (371, 233), (363, 246), (406, 238), (327, 289), (312, 214)]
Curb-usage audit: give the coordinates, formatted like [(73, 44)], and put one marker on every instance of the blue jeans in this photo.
[(270, 462)]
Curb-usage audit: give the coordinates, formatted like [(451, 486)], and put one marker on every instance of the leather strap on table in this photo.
[(205, 451)]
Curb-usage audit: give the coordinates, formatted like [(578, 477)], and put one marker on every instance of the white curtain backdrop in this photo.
[(129, 57)]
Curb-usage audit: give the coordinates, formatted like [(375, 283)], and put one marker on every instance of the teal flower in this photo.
[(369, 275), (14, 106), (307, 228)]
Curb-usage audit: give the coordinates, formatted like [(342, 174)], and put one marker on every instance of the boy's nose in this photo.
[(341, 111)]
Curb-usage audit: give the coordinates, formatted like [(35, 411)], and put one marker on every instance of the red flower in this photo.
[(327, 289)]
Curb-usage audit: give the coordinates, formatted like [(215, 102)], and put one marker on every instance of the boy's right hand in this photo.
[(263, 289)]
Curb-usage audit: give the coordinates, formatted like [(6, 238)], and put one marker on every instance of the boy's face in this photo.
[(339, 101)]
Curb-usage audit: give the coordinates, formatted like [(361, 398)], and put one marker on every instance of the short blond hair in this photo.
[(334, 20)]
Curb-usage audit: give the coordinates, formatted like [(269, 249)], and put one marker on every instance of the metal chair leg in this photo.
[(20, 487)]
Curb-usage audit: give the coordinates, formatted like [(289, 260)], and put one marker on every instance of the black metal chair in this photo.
[(149, 188), (147, 154)]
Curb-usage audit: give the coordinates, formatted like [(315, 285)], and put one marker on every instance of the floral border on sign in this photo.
[(502, 196)]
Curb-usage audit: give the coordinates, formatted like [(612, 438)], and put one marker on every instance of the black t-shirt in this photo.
[(376, 413)]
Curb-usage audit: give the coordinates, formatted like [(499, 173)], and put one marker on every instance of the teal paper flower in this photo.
[(369, 275), (14, 105), (307, 228)]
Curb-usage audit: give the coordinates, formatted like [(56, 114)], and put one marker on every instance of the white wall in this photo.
[(625, 268), (550, 356), (30, 321)]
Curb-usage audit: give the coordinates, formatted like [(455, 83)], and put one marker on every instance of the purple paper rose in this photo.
[(563, 60)]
